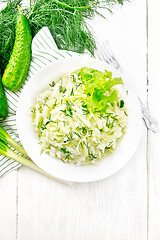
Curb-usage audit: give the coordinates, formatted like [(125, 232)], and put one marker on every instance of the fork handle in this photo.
[(151, 123), (104, 53)]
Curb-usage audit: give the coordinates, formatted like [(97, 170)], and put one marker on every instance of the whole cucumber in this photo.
[(18, 65), (3, 102)]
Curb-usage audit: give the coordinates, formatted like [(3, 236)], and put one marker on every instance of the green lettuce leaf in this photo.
[(98, 88)]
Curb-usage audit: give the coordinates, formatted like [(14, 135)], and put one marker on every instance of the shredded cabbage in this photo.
[(81, 116)]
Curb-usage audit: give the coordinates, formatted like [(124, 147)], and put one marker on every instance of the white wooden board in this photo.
[(153, 102), (124, 206)]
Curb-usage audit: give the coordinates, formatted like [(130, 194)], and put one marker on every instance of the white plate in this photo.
[(110, 163)]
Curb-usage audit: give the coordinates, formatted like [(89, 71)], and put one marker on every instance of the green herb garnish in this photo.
[(62, 89), (52, 84), (98, 87), (55, 103), (72, 92), (91, 156), (76, 133), (121, 104), (70, 136), (68, 112)]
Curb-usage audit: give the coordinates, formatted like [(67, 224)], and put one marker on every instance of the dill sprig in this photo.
[(7, 31), (64, 18), (67, 26)]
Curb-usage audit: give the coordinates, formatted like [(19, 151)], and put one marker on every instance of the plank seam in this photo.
[(147, 154), (17, 208)]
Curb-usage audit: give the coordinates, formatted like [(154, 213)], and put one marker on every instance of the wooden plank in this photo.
[(114, 208), (8, 206), (109, 208), (153, 101)]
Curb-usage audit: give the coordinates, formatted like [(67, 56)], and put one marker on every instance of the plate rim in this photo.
[(20, 133)]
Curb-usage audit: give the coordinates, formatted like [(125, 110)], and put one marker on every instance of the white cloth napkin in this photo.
[(44, 51)]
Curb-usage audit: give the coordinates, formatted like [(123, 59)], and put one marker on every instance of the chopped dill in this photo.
[(63, 160), (81, 144), (101, 130), (109, 145), (114, 117), (54, 105), (73, 78), (69, 104), (39, 124), (64, 150), (70, 136), (72, 92), (42, 150), (67, 156), (40, 108), (33, 111), (50, 120), (45, 104), (62, 89), (78, 85), (44, 126), (85, 109), (85, 144), (77, 134), (90, 132), (75, 99), (84, 130), (68, 112), (110, 120), (91, 156), (52, 84), (46, 98), (121, 105)]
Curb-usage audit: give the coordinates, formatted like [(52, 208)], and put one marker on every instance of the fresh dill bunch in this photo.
[(7, 32), (66, 20), (67, 27)]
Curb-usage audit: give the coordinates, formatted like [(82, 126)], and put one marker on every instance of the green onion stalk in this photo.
[(4, 136), (6, 151)]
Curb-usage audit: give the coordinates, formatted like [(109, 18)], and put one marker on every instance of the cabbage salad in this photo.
[(80, 116)]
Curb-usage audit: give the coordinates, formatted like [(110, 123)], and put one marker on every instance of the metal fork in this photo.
[(104, 53)]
